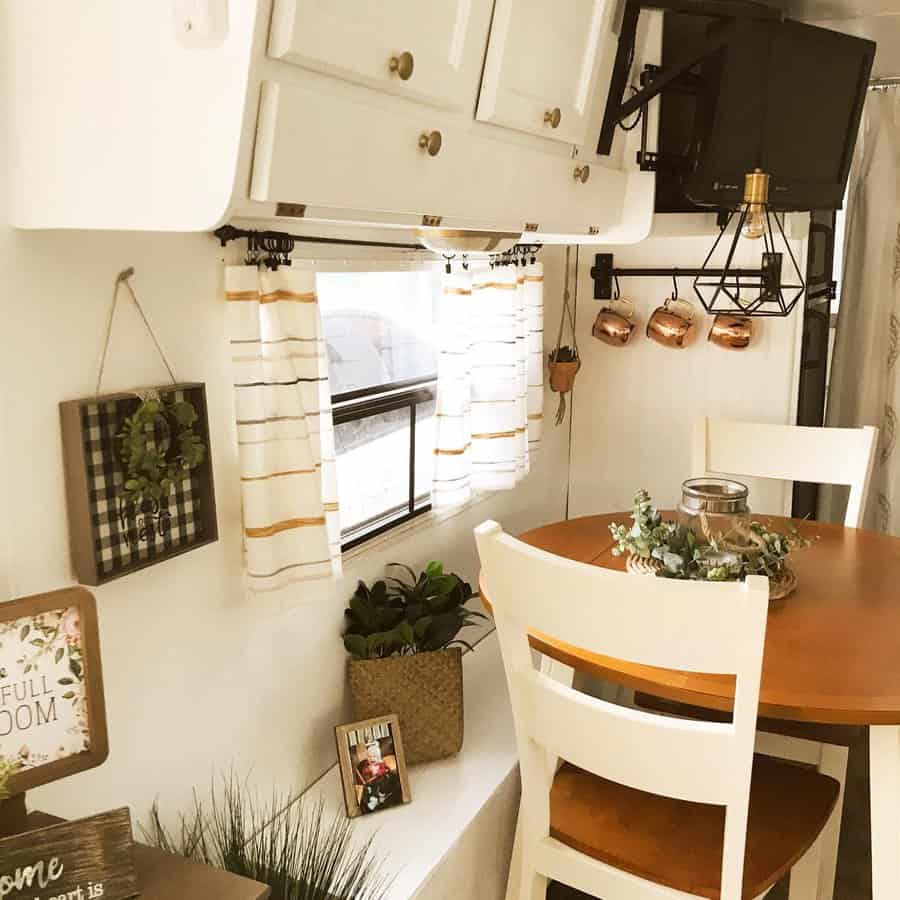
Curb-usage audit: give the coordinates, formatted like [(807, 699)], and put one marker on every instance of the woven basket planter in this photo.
[(425, 690)]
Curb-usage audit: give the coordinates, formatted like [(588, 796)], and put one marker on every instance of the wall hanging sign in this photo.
[(373, 767), (138, 479), (52, 712), (83, 860)]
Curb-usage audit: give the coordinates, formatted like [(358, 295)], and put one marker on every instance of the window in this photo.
[(379, 331)]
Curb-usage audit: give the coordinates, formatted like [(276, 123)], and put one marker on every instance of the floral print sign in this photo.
[(43, 703)]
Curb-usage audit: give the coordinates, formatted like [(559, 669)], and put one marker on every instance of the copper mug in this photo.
[(671, 323), (730, 331), (615, 323)]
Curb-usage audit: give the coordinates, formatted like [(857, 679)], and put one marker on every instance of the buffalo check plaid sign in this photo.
[(122, 537)]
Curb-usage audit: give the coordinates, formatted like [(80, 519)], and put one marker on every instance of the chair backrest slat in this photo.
[(652, 621), (635, 748), (840, 456)]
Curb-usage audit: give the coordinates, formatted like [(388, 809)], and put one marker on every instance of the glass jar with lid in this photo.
[(716, 511)]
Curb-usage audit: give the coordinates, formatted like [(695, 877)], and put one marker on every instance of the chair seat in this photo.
[(679, 844)]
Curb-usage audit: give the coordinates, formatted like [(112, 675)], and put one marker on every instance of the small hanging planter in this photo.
[(564, 366), (564, 361)]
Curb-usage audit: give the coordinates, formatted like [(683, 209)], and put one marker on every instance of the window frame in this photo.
[(352, 406)]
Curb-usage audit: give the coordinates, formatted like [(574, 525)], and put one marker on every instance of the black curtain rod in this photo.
[(227, 233), (679, 273)]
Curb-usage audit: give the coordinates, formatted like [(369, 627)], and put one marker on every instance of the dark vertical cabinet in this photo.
[(814, 353)]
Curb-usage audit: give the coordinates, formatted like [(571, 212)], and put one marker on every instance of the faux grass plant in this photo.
[(286, 843)]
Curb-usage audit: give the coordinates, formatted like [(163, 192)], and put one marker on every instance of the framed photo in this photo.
[(109, 536), (52, 711), (373, 767)]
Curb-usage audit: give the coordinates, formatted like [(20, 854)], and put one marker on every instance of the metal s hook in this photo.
[(617, 290), (447, 260), (465, 262), (674, 284)]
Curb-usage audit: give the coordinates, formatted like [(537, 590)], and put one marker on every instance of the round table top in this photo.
[(832, 651)]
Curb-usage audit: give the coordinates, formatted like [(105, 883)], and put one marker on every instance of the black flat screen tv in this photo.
[(786, 97)]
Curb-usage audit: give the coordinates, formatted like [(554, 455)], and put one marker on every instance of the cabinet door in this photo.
[(541, 60), (429, 51), (372, 159)]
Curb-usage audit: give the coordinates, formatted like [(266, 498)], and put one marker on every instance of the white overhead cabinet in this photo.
[(428, 51), (541, 61), (459, 114)]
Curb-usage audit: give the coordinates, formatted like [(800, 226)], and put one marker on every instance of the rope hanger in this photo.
[(124, 278)]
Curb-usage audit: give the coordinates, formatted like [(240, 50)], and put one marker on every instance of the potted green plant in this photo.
[(403, 638)]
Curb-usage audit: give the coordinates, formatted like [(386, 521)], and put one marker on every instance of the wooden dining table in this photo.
[(832, 652)]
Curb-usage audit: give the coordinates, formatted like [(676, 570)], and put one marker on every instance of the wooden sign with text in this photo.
[(109, 536), (85, 860), (52, 713)]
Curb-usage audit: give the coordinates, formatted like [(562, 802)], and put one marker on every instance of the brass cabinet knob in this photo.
[(430, 142), (582, 173), (402, 65), (553, 117)]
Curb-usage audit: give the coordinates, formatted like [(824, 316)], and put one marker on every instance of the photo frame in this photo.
[(373, 766), (109, 536), (52, 708)]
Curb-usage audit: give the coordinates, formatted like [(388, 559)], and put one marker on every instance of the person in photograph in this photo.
[(378, 784)]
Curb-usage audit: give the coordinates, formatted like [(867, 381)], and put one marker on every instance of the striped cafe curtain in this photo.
[(284, 427), (490, 387)]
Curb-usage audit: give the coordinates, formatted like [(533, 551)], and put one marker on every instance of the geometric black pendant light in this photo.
[(722, 287)]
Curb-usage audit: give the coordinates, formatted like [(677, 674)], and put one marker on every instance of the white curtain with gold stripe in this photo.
[(284, 427), (490, 380)]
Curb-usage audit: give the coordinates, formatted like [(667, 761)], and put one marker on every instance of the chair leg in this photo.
[(834, 763), (804, 884), (515, 864), (533, 886), (884, 790), (829, 759)]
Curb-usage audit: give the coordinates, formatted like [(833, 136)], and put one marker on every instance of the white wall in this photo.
[(634, 405), (198, 676)]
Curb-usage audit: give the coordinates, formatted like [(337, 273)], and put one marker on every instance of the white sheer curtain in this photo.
[(490, 379), (284, 427), (865, 376)]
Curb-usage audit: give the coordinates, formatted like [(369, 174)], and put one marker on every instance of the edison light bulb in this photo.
[(756, 196), (755, 223)]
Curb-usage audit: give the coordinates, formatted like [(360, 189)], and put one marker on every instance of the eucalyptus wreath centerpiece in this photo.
[(672, 550)]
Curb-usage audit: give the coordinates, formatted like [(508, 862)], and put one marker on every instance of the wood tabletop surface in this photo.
[(832, 650)]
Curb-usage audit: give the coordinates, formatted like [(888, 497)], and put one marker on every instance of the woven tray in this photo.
[(778, 588)]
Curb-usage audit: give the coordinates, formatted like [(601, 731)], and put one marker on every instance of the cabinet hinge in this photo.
[(532, 226), (292, 210), (593, 229), (432, 221)]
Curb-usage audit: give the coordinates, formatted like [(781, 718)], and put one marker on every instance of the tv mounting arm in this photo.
[(730, 11)]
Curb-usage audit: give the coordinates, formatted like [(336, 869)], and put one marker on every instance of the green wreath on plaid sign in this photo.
[(153, 466)]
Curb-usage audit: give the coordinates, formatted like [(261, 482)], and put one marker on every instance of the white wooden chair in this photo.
[(841, 456), (645, 807)]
